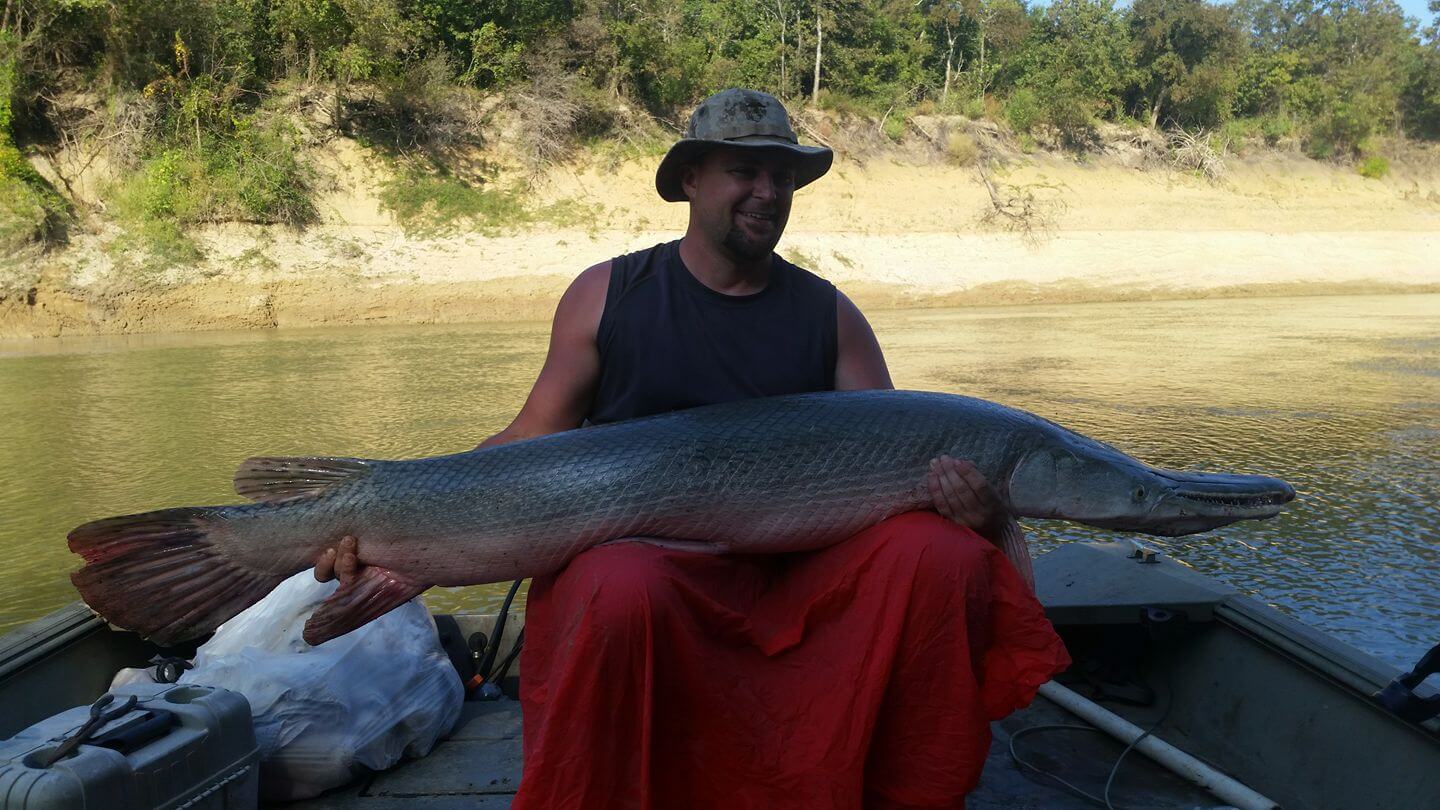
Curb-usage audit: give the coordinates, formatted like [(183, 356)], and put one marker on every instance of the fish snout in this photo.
[(1197, 502)]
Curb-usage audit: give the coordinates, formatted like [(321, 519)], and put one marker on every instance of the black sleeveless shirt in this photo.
[(667, 341)]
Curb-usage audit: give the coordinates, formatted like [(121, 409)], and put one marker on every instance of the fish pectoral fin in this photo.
[(1017, 550), (277, 479), (374, 592)]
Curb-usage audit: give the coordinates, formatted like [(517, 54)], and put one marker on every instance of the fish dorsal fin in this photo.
[(277, 479)]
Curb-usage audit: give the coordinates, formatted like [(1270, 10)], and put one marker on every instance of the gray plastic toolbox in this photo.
[(179, 746)]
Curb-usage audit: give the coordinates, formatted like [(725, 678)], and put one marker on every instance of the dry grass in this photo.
[(1196, 152), (548, 110), (961, 149)]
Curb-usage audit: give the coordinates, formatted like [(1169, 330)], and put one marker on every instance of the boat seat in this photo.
[(1102, 583)]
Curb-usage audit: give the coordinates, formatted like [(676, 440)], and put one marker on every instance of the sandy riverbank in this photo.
[(888, 233)]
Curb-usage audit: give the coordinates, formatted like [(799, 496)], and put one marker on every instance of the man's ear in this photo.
[(688, 177)]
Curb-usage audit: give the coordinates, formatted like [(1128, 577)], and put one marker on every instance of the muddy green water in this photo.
[(1340, 396)]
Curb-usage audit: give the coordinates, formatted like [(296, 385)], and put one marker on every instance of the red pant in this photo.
[(864, 674)]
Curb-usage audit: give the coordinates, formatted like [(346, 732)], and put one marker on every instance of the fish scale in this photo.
[(768, 475)]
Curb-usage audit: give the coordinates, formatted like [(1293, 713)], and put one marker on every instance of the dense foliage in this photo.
[(204, 74)]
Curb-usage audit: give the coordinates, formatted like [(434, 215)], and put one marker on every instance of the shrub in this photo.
[(428, 198), (30, 210), (1374, 167), (1338, 133), (846, 104), (1275, 127), (152, 246), (419, 105), (993, 108), (252, 175), (1270, 128), (894, 127), (961, 149), (1070, 115), (1022, 109), (1234, 134), (494, 61), (435, 199)]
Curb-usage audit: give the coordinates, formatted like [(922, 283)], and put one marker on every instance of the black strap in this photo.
[(1400, 698)]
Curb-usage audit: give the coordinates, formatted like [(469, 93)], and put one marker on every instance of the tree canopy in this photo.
[(195, 76), (1346, 66)]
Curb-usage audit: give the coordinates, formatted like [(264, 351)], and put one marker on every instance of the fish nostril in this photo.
[(1139, 494)]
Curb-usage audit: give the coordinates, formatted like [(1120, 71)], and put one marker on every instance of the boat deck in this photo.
[(479, 766), (1277, 705)]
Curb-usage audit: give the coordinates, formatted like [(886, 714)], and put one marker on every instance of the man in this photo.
[(658, 678)]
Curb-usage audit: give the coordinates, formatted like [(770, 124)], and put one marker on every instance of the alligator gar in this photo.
[(758, 476)]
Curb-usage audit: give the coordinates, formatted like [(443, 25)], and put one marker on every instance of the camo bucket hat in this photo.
[(736, 117)]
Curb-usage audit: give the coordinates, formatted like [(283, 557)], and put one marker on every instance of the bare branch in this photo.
[(1029, 209)]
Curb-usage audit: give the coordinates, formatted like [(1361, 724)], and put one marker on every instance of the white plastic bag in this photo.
[(365, 699)]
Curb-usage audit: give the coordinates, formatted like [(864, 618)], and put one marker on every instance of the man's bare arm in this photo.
[(957, 489), (859, 363), (558, 400), (563, 392)]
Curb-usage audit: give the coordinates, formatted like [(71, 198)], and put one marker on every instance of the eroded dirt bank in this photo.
[(889, 233)]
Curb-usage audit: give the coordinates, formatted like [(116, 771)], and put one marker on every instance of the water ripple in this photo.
[(1339, 396)]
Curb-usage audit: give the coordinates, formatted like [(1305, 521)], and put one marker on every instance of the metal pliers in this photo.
[(98, 718)]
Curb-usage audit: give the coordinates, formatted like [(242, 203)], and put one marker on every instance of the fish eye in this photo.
[(1139, 494)]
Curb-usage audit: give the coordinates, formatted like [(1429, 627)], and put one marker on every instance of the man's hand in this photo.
[(959, 492), (339, 562)]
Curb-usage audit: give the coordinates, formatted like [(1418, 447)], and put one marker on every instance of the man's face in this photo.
[(740, 199)]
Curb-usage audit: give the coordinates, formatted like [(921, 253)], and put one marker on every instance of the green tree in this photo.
[(490, 38), (1420, 100), (1187, 56), (1000, 26), (952, 29), (1078, 62), (875, 50), (1359, 52)]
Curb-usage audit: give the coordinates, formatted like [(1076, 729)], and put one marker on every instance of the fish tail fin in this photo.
[(159, 573), (374, 592)]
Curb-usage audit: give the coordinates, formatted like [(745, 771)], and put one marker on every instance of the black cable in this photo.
[(510, 658), (1169, 701), (1014, 755), (1102, 800), (492, 645)]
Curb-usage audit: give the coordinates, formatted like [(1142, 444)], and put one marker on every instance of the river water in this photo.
[(1338, 395)]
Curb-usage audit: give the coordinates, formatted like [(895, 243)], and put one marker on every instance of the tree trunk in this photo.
[(336, 113), (949, 61), (982, 61), (784, 80), (819, 37), (1155, 108)]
